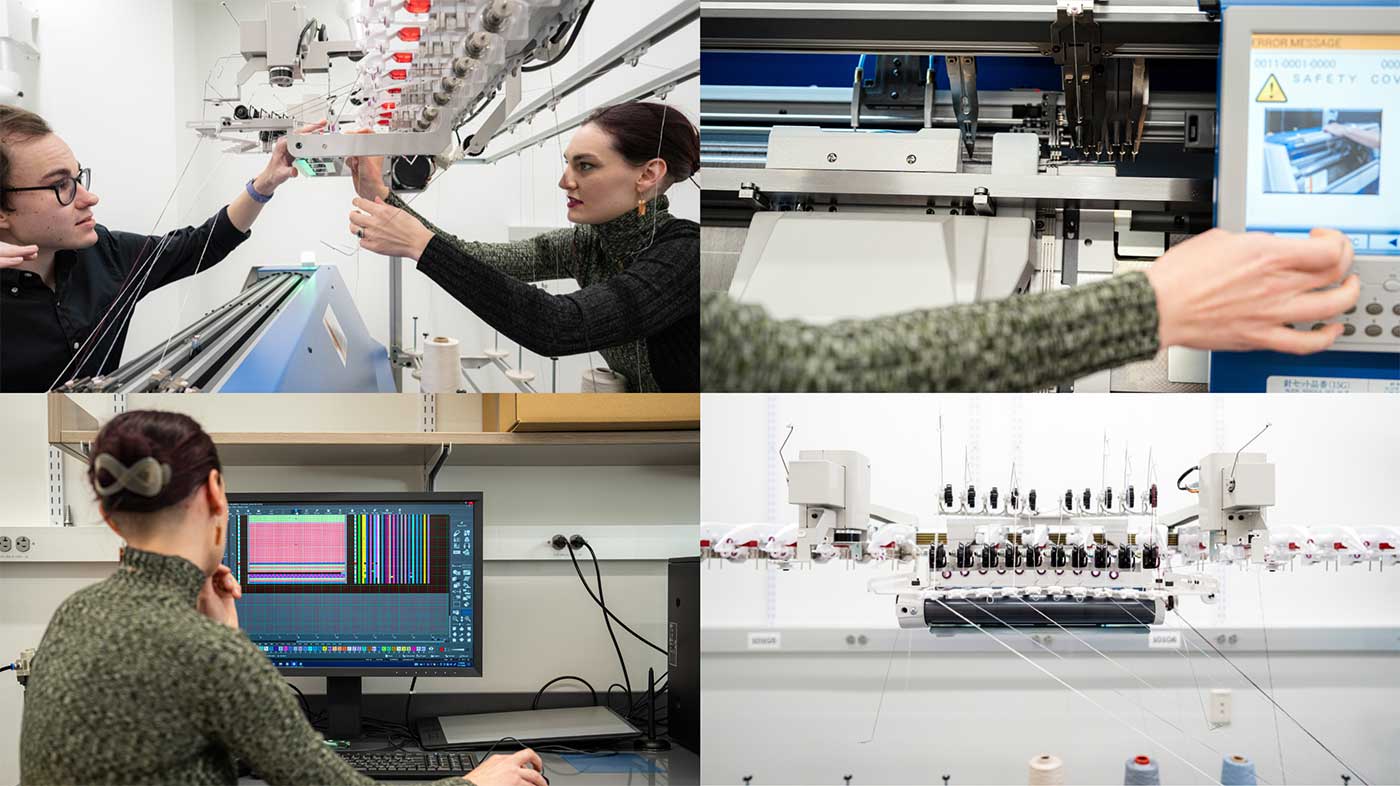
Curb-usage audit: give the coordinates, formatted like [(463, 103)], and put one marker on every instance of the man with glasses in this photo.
[(68, 285)]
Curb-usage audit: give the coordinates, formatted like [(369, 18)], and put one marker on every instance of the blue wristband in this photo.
[(259, 198)]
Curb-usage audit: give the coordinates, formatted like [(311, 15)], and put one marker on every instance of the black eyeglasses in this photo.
[(65, 190)]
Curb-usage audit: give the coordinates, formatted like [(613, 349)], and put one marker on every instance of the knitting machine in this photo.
[(424, 69), (1013, 557), (290, 330), (423, 66), (893, 158)]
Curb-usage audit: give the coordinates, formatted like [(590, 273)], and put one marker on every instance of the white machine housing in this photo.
[(822, 267), (926, 150), (857, 264), (1234, 494), (831, 489)]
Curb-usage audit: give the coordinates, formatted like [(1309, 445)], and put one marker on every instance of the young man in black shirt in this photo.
[(68, 285)]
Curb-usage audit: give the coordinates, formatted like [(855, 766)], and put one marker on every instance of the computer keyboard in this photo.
[(408, 765)]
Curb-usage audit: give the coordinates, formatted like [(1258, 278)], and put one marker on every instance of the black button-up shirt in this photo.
[(78, 329)]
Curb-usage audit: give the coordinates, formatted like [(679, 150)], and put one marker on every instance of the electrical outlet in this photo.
[(1220, 701), (5, 544), (22, 544)]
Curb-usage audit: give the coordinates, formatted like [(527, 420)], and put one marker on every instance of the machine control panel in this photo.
[(1310, 137)]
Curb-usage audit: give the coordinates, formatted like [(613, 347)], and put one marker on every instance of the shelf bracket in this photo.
[(427, 417), (79, 452), (430, 482), (56, 498)]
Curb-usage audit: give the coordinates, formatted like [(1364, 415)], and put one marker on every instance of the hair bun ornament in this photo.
[(146, 477)]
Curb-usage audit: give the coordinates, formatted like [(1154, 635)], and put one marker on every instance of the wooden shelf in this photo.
[(287, 448), (71, 427)]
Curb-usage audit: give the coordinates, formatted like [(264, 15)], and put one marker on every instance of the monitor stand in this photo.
[(343, 704)]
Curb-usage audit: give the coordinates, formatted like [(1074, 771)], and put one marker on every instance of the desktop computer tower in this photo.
[(683, 648)]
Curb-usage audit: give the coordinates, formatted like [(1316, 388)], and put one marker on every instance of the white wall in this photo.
[(121, 78), (520, 651), (982, 715), (979, 717), (120, 121)]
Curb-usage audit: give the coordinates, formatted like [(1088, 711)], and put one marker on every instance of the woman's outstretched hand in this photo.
[(368, 173), (384, 229), (1240, 291)]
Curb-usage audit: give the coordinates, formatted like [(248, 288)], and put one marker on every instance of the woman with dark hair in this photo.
[(145, 677), (637, 265)]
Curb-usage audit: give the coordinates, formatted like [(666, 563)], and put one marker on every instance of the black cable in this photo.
[(573, 36), (496, 744), (635, 634), (409, 703), (301, 37), (542, 749), (637, 705), (640, 710), (607, 617), (536, 703), (639, 702), (305, 705), (480, 108), (625, 699), (1183, 477), (7, 668)]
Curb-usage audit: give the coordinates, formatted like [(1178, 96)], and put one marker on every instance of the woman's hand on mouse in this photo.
[(515, 769), (217, 596), (1240, 291)]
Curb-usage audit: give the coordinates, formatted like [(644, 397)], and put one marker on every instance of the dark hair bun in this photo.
[(170, 438)]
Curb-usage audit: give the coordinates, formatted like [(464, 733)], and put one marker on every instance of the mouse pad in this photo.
[(615, 762), (554, 764)]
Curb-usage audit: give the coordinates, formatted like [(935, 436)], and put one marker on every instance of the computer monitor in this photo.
[(349, 585)]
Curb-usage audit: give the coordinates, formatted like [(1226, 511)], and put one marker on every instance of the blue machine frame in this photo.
[(317, 343)]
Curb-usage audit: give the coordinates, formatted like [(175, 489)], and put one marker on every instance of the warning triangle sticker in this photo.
[(1272, 92)]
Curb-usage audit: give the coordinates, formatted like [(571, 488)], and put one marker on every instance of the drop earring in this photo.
[(641, 207)]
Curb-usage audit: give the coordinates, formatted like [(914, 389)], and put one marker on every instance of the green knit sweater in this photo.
[(1022, 343), (638, 304), (131, 684)]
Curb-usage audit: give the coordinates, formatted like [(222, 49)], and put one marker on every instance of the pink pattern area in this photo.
[(298, 542)]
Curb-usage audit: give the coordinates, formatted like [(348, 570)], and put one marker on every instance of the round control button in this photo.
[(1391, 285), (1374, 308), (1351, 310), (1373, 330), (1395, 331), (1349, 330)]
